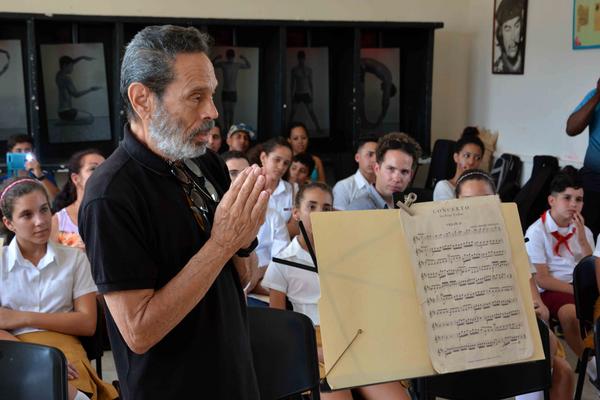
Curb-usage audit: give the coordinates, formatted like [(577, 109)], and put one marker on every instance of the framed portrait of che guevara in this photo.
[(510, 27)]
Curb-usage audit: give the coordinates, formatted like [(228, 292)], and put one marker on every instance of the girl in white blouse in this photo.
[(47, 295), (468, 152), (302, 288)]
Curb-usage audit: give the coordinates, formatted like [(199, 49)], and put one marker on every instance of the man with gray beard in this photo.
[(167, 237)]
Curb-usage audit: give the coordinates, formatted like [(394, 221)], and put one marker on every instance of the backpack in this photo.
[(532, 200), (506, 174), (442, 164)]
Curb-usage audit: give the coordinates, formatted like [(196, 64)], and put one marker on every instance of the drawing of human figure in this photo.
[(388, 89), (4, 61), (68, 114), (230, 69), (302, 89)]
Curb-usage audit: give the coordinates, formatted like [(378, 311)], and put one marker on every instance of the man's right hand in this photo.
[(242, 211)]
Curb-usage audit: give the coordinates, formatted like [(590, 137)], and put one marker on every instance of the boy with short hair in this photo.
[(557, 241), (300, 168), (346, 190), (239, 137)]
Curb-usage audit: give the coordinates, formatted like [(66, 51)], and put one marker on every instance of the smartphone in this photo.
[(16, 162)]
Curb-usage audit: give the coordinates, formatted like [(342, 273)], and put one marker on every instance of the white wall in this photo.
[(530, 111)]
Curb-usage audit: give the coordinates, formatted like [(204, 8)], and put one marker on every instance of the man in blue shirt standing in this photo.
[(587, 114)]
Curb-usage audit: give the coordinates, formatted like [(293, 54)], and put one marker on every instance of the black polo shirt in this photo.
[(139, 233)]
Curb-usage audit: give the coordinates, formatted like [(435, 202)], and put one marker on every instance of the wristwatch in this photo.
[(248, 250), (40, 178)]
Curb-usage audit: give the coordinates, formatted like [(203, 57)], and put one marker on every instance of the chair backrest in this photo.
[(94, 345), (506, 174), (284, 349), (442, 163), (494, 382), (32, 371), (532, 199), (585, 289)]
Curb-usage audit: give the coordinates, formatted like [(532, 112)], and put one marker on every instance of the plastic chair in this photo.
[(585, 291), (284, 348), (32, 371), (494, 382)]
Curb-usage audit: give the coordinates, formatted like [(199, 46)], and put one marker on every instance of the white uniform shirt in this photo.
[(300, 286), (444, 190), (541, 244), (61, 276), (273, 237), (348, 189), (597, 250), (282, 199)]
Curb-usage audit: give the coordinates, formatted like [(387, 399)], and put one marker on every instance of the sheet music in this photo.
[(466, 285)]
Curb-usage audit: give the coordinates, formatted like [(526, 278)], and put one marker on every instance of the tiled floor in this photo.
[(109, 373)]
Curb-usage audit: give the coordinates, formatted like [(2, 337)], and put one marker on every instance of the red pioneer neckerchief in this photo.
[(560, 239)]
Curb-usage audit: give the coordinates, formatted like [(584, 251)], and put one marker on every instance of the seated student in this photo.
[(397, 155), (66, 204), (275, 158), (475, 182), (214, 138), (468, 152), (272, 236), (239, 137), (558, 240), (298, 138), (302, 288), (24, 144), (299, 172), (47, 295), (346, 190)]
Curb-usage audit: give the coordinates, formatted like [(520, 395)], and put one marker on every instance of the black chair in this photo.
[(585, 291), (32, 371), (94, 345), (532, 199), (442, 162), (494, 382), (284, 348)]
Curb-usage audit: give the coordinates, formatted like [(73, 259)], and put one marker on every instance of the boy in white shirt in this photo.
[(557, 242), (346, 190)]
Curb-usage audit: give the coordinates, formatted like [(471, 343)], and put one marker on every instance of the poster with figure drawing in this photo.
[(378, 94), (13, 114), (308, 88), (76, 92), (236, 98)]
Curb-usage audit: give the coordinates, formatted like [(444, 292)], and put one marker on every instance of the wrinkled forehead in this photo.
[(194, 72)]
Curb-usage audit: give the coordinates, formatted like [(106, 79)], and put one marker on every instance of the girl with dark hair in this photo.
[(66, 205), (468, 152), (275, 158), (303, 289), (47, 295), (474, 182), (298, 138)]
